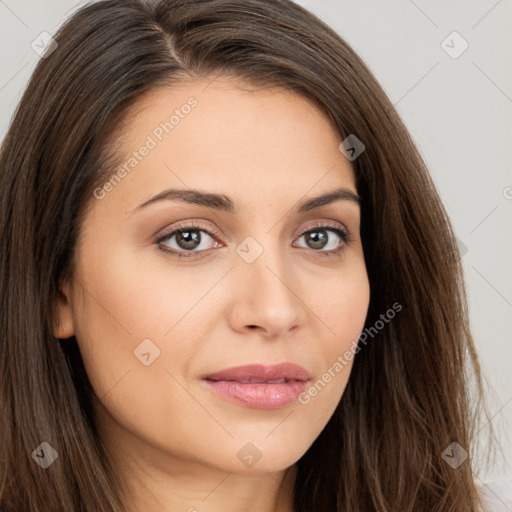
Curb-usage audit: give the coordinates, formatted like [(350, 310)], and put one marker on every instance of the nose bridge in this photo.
[(267, 296)]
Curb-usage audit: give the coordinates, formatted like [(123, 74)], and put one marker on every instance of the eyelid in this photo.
[(184, 225), (323, 224)]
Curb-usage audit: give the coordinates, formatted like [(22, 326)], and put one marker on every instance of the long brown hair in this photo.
[(408, 397)]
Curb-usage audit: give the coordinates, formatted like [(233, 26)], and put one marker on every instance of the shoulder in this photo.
[(496, 495)]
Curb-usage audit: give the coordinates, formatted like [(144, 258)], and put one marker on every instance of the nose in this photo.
[(266, 296)]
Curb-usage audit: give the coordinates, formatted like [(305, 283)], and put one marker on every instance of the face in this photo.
[(169, 289)]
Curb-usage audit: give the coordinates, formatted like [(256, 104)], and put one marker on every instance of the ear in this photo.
[(65, 327)]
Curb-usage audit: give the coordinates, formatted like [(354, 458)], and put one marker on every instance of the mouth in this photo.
[(260, 386), (253, 380)]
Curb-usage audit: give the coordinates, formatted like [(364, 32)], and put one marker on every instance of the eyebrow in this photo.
[(224, 203)]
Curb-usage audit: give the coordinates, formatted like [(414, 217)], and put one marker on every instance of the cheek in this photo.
[(343, 306), (342, 309), (136, 371), (136, 325)]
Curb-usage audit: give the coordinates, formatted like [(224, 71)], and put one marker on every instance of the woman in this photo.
[(230, 282)]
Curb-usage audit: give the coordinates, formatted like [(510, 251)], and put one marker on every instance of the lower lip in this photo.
[(259, 395)]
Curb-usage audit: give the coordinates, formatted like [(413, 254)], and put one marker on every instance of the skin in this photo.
[(173, 439)]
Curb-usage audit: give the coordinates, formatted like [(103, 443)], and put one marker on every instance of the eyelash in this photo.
[(344, 234)]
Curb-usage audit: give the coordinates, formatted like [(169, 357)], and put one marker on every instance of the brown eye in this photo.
[(326, 239), (187, 241)]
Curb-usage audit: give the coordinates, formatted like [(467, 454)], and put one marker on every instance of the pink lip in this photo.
[(260, 386)]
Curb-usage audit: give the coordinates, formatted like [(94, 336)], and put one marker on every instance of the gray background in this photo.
[(458, 111)]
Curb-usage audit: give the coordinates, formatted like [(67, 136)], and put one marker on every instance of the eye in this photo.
[(318, 238), (192, 239), (195, 239)]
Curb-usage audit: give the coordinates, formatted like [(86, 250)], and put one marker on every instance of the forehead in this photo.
[(226, 134)]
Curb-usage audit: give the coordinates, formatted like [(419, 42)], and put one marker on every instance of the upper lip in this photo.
[(261, 373)]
